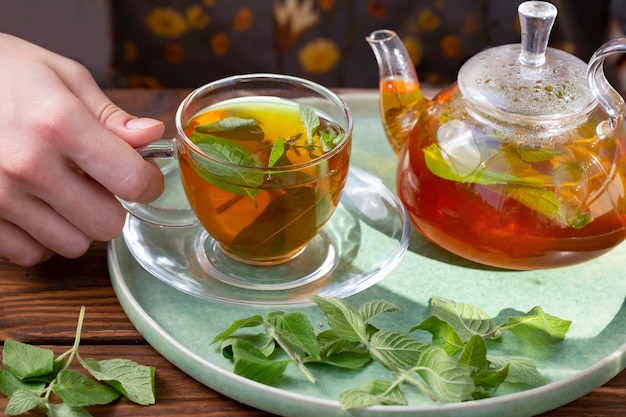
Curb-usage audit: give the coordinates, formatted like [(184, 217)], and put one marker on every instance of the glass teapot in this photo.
[(521, 164)]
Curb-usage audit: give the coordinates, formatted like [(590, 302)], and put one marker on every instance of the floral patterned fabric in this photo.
[(186, 43)]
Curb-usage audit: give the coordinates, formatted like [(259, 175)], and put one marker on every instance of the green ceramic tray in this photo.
[(592, 295)]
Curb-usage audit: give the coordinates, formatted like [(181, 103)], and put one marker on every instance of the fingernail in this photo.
[(142, 123)]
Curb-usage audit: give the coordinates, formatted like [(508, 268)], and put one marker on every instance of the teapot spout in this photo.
[(400, 95)]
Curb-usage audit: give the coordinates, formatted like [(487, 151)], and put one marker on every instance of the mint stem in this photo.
[(71, 352), (79, 328), (407, 376), (404, 375), (293, 357)]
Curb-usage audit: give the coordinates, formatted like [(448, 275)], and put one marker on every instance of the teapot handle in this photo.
[(607, 96)]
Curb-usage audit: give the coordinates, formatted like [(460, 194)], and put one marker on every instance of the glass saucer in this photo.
[(365, 238)]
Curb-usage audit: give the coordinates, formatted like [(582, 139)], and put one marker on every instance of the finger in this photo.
[(44, 225), (96, 213), (100, 153), (64, 188), (97, 149), (61, 209), (117, 166), (19, 247)]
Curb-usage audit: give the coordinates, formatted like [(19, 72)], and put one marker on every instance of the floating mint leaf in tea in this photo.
[(311, 121), (330, 139), (277, 156), (539, 155), (229, 178), (233, 128)]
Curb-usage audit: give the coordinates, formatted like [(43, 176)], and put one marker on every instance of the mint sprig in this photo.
[(455, 366), (32, 374)]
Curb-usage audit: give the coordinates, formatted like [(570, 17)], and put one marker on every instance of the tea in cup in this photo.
[(263, 160)]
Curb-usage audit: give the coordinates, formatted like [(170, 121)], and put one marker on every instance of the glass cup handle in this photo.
[(159, 149), (172, 208), (607, 96)]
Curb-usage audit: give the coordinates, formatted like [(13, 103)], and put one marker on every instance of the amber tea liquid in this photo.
[(271, 220)]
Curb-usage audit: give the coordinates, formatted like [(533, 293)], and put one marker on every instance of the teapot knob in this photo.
[(607, 96), (536, 20)]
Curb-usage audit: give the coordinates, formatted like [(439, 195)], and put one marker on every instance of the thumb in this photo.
[(136, 131)]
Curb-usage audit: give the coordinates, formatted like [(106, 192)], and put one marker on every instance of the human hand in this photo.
[(66, 152)]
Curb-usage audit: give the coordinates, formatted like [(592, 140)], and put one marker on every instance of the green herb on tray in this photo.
[(455, 366), (32, 374)]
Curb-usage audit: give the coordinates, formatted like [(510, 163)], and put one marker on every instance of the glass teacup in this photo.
[(263, 160)]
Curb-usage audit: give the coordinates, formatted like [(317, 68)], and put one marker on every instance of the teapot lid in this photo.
[(528, 82)]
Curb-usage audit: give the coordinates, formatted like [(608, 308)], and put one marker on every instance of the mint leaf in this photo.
[(396, 348), (26, 361), (252, 321), (252, 364), (310, 120), (64, 410), (475, 353), (551, 205), (371, 309), (134, 381), (330, 344), (263, 342), (336, 351), (466, 319), (372, 393), (348, 360), (487, 381), (9, 383), (278, 152), (538, 155), (233, 177), (538, 326), (442, 333), (292, 332), (345, 321), (521, 370), (296, 334), (330, 140), (455, 170), (78, 390), (450, 380), (288, 217), (231, 128), (22, 401), (228, 151), (59, 364)]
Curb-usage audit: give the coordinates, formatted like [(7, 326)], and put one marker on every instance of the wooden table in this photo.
[(40, 306)]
